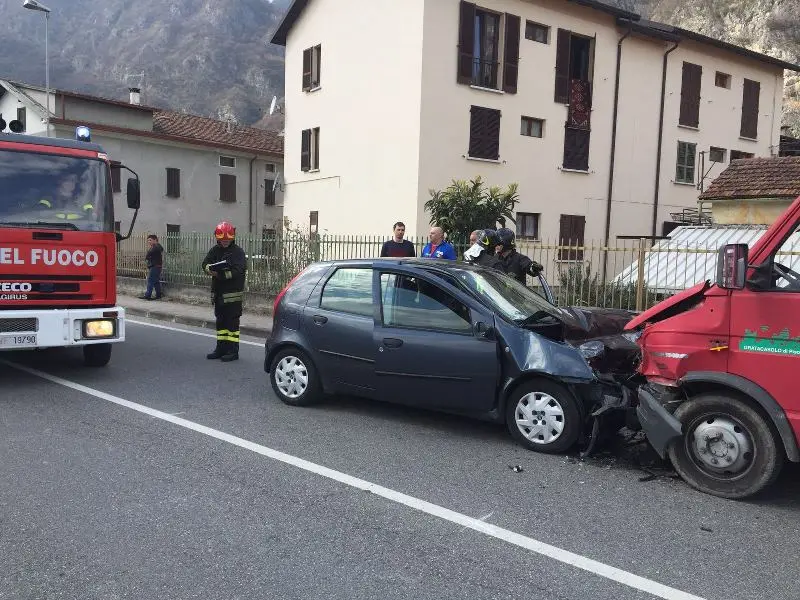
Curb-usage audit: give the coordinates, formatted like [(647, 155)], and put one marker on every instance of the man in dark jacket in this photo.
[(227, 265), (515, 264), (155, 262), (482, 252)]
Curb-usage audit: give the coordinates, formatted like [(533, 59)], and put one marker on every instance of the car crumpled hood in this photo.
[(591, 323)]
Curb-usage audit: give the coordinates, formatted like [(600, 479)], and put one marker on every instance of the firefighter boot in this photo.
[(218, 352), (231, 352)]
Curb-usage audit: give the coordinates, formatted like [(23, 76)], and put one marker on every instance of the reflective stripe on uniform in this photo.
[(232, 336), (222, 334), (45, 203), (232, 297), (228, 275), (87, 207), (68, 216)]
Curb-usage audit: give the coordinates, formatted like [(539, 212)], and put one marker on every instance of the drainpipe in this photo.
[(613, 151), (660, 138), (250, 209)]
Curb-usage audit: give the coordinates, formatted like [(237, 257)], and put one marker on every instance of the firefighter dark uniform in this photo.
[(227, 290), (515, 264), (482, 252)]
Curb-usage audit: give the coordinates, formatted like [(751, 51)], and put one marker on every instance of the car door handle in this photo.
[(320, 320), (392, 342)]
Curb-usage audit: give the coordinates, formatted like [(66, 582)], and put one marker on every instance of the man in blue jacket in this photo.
[(438, 247)]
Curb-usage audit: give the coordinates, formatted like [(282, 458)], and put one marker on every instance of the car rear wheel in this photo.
[(543, 416), (294, 378), (728, 449), (96, 355)]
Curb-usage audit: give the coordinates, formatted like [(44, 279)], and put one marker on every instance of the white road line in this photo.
[(576, 560), (189, 331)]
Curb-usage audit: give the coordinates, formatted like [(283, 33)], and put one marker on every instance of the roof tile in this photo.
[(218, 132), (757, 178)]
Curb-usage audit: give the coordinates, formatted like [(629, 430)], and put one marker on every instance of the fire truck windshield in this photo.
[(59, 192)]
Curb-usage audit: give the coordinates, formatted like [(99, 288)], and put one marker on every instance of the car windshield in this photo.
[(62, 192), (507, 296)]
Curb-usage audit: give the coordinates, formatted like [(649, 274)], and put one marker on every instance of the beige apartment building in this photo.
[(609, 124)]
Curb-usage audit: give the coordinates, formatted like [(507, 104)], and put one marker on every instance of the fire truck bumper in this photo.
[(52, 328)]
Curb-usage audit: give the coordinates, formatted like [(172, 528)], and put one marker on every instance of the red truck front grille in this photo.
[(19, 325)]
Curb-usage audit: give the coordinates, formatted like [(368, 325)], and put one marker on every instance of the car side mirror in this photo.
[(732, 266), (134, 194)]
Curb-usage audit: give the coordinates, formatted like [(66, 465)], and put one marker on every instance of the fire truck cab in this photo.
[(58, 245)]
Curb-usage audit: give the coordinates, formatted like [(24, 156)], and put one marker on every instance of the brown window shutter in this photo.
[(306, 69), (576, 148), (562, 66), (750, 99), (571, 233), (227, 188), (466, 43), (269, 192), (315, 157), (173, 182), (484, 133), (511, 62), (319, 66), (691, 79), (116, 183), (305, 151)]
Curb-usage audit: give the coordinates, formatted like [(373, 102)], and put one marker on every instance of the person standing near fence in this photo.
[(227, 265), (515, 264), (438, 247), (397, 246), (155, 263)]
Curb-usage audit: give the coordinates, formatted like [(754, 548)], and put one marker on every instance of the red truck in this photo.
[(720, 361), (58, 245)]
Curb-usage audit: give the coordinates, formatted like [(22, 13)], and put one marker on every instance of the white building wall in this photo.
[(367, 109)]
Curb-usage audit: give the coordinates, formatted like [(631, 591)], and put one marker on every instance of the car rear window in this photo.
[(349, 290)]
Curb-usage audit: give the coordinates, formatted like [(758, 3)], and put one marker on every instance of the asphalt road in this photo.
[(161, 476)]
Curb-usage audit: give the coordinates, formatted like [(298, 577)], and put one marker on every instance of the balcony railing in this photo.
[(485, 73)]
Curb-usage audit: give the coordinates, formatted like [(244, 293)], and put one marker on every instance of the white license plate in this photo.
[(18, 341)]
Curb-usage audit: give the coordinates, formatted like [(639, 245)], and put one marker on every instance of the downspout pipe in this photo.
[(660, 139), (613, 151), (250, 209)]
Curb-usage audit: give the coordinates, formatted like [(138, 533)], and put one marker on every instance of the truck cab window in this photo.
[(786, 264)]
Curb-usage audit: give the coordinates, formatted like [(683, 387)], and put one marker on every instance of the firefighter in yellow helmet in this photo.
[(65, 201)]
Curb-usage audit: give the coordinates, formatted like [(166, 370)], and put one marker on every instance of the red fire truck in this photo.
[(58, 245)]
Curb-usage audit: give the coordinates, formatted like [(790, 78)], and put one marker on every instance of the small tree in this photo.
[(468, 205)]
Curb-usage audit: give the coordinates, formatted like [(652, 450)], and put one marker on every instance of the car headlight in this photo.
[(591, 349), (101, 328)]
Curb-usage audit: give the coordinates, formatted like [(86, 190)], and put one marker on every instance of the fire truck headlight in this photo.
[(105, 328)]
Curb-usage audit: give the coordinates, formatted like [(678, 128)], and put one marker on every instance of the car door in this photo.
[(765, 331), (338, 323), (435, 347)]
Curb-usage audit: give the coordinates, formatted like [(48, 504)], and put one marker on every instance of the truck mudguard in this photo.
[(757, 393)]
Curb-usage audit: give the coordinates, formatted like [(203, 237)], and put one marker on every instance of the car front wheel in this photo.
[(543, 416), (294, 378), (728, 449)]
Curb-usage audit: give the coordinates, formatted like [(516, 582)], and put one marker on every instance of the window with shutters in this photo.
[(691, 79), (229, 162), (750, 98), (484, 133), (227, 188), (269, 192), (116, 176), (528, 225), (536, 32), (576, 149), (570, 237), (685, 165), (312, 68), (173, 239), (173, 182), (483, 61), (269, 245), (574, 62), (722, 80), (309, 150), (738, 155)]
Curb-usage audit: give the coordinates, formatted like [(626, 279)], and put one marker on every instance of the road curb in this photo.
[(158, 315)]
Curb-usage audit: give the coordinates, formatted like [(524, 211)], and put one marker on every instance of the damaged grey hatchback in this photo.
[(451, 337)]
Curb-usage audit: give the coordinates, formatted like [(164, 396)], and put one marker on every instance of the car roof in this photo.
[(435, 264)]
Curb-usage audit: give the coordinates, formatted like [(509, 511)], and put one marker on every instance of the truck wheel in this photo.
[(543, 416), (728, 449), (96, 355)]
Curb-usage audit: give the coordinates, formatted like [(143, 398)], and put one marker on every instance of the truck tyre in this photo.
[(543, 416), (728, 448), (96, 355)]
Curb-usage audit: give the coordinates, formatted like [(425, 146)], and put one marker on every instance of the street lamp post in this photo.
[(34, 5)]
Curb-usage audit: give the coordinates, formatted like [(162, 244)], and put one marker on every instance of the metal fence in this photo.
[(631, 274)]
